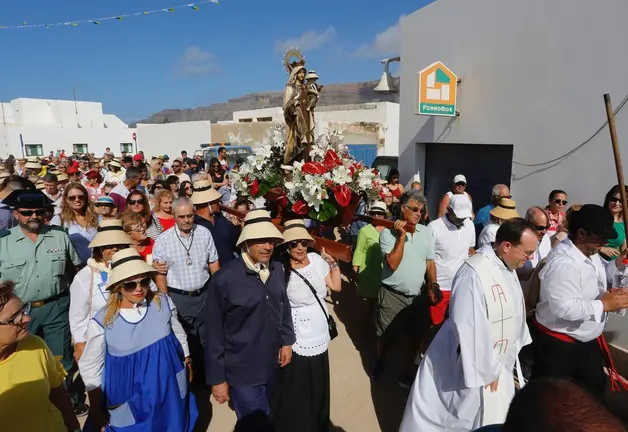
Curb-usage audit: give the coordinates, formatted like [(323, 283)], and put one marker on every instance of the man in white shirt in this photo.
[(178, 171), (574, 302), (51, 190), (454, 242)]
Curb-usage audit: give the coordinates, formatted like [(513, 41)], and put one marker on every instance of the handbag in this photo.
[(331, 322)]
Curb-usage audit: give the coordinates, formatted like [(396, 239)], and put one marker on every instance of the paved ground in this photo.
[(356, 403)]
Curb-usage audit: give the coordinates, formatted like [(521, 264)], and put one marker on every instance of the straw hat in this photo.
[(109, 233), (378, 207), (204, 192), (115, 163), (505, 209), (126, 264), (5, 192), (4, 174), (61, 177), (295, 230), (40, 185), (258, 225), (32, 165)]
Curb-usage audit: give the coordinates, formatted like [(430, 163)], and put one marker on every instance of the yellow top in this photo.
[(26, 378)]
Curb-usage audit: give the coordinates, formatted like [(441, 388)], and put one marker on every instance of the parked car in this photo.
[(233, 153), (384, 164)]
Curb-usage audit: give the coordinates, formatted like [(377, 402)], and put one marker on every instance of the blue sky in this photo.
[(186, 59)]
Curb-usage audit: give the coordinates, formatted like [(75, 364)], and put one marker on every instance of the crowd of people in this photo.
[(123, 279)]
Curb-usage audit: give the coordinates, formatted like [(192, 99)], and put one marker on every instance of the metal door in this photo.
[(365, 153)]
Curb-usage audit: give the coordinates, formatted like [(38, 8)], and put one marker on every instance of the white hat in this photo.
[(258, 225), (109, 233), (33, 165), (203, 192), (461, 205), (295, 229), (4, 174), (115, 163), (311, 74), (460, 178), (126, 264), (378, 207)]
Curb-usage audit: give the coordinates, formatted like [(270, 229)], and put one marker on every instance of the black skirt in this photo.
[(300, 396)]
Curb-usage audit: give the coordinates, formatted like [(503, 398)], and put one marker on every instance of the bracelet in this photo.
[(333, 265)]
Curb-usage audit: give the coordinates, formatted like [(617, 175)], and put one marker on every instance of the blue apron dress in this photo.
[(145, 380)]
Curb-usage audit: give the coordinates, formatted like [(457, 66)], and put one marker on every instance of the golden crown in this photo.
[(288, 57)]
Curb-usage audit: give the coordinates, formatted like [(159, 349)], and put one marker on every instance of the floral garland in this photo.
[(316, 189)]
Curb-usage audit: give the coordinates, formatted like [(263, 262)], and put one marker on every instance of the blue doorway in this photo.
[(365, 153)]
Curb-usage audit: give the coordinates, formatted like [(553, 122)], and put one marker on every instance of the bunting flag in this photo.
[(99, 21)]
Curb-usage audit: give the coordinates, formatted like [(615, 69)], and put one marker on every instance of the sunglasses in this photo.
[(414, 209), (461, 184), (76, 197), (294, 243), (136, 202), (541, 227), (16, 319), (131, 286), (38, 212), (176, 166), (505, 196), (563, 202), (158, 187), (615, 200)]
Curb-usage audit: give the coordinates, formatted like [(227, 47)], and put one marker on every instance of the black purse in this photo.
[(331, 322)]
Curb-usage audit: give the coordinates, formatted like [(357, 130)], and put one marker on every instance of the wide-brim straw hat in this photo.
[(126, 264), (295, 230), (258, 225), (32, 165), (40, 185), (115, 163), (505, 209), (61, 177), (4, 174), (110, 232), (203, 192), (378, 207)]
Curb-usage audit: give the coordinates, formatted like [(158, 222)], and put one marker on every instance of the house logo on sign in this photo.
[(438, 88)]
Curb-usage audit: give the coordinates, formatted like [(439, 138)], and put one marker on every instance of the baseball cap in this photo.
[(460, 178), (594, 219), (138, 157), (461, 205), (105, 200)]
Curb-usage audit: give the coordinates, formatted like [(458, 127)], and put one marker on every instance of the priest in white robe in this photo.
[(465, 381)]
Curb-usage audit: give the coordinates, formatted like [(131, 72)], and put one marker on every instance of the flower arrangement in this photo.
[(317, 189)]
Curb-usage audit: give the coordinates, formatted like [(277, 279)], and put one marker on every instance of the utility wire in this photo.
[(601, 128)]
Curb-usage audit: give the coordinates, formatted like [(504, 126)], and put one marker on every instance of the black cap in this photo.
[(594, 219), (29, 199)]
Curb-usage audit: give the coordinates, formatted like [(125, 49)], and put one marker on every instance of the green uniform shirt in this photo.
[(38, 269)]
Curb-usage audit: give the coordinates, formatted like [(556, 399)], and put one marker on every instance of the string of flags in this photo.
[(99, 21)]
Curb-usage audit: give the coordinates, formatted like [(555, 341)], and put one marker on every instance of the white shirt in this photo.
[(92, 362), (183, 177), (451, 247), (56, 201), (572, 286), (488, 234), (544, 248), (121, 190), (310, 324)]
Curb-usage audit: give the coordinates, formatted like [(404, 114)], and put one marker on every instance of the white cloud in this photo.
[(197, 62), (308, 41), (386, 43)]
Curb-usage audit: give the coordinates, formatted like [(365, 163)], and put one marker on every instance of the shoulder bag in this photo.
[(331, 322)]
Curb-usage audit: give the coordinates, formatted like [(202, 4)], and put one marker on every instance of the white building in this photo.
[(34, 127), (172, 138), (533, 76), (374, 123)]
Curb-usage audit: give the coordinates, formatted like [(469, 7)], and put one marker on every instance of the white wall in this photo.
[(172, 138), (275, 112), (391, 130)]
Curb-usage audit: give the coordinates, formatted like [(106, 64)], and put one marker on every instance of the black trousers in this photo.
[(581, 362)]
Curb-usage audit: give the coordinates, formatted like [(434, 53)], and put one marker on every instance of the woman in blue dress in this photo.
[(136, 361)]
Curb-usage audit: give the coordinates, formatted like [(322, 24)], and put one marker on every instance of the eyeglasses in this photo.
[(559, 202), (131, 286), (414, 209), (504, 196), (524, 253), (38, 212), (294, 243), (188, 188), (176, 166), (16, 319), (139, 228), (615, 200), (461, 184), (76, 197), (136, 202)]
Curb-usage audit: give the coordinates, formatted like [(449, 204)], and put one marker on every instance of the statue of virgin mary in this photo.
[(299, 120)]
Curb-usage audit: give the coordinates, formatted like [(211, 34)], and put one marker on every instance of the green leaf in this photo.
[(263, 189), (328, 211)]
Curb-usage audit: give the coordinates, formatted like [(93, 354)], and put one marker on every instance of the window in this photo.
[(246, 120), (264, 119), (34, 149), (79, 148), (126, 147)]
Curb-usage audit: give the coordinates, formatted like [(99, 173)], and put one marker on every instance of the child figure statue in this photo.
[(313, 90)]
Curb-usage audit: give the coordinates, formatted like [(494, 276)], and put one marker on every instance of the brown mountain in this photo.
[(336, 94)]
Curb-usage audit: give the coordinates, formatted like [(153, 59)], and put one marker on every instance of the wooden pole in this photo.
[(617, 155)]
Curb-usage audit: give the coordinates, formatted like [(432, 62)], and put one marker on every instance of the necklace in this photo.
[(188, 260)]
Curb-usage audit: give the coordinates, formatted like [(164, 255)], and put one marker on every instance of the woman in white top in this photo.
[(459, 187), (79, 217), (87, 292), (301, 393)]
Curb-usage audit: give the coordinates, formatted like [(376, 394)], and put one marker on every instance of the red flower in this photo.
[(342, 194), (283, 201), (332, 160), (301, 208), (254, 188), (376, 172), (314, 168), (329, 183)]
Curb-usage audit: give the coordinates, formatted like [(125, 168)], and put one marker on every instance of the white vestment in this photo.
[(471, 351)]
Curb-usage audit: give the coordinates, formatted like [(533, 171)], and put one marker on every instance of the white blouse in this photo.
[(310, 324), (92, 362)]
